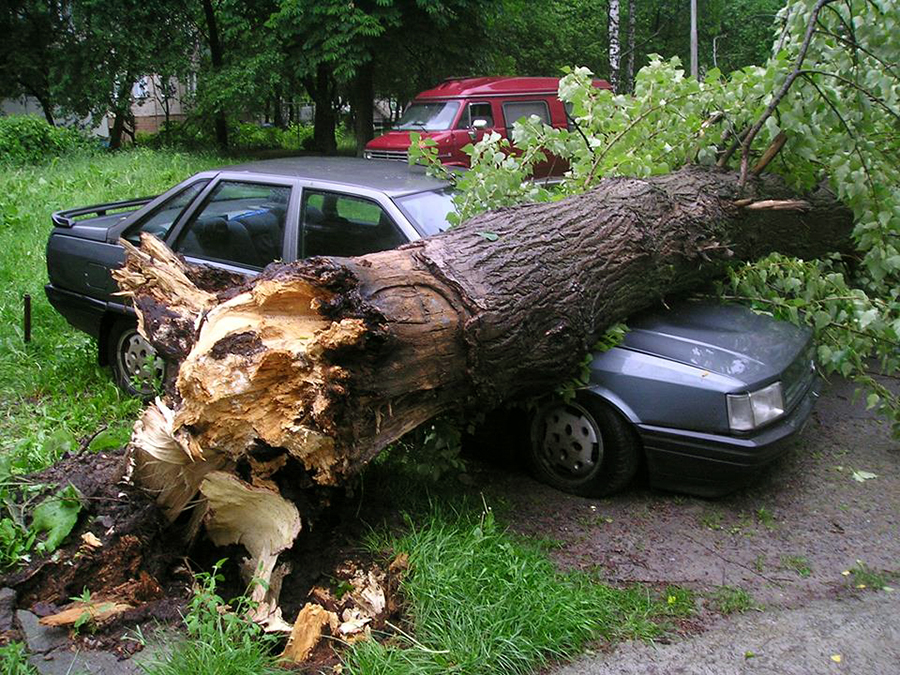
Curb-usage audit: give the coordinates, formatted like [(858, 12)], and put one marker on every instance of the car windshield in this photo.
[(435, 116), (428, 211)]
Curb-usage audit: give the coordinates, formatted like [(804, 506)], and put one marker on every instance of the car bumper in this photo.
[(84, 313), (711, 465)]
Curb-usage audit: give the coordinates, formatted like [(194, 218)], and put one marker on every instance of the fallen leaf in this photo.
[(836, 658), (57, 516), (489, 236), (748, 654), (863, 476), (846, 573)]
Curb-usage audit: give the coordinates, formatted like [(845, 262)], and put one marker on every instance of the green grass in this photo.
[(731, 600), (219, 642), (14, 660), (483, 601), (797, 563), (53, 384)]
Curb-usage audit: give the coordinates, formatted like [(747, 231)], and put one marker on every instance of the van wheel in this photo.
[(583, 447), (137, 369)]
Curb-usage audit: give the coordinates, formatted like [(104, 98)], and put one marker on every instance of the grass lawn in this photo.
[(51, 390)]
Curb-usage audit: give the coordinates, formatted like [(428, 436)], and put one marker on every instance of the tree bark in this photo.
[(320, 88), (218, 61), (303, 375), (614, 50), (632, 47), (363, 104)]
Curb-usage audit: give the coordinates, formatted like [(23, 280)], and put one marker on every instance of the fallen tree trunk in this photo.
[(312, 368)]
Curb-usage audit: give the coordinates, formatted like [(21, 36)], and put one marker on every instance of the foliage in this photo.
[(56, 516), (294, 137), (221, 641), (484, 601), (14, 660), (25, 139), (840, 117), (431, 450)]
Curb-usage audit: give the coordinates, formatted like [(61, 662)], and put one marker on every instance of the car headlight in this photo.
[(367, 154), (749, 411)]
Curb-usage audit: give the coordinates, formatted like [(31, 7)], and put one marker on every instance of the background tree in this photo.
[(30, 51)]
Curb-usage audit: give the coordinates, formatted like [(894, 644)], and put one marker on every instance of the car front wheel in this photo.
[(137, 369), (583, 447)]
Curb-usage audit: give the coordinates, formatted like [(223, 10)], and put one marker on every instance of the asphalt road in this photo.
[(858, 635)]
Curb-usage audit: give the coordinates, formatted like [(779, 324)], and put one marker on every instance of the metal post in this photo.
[(27, 300)]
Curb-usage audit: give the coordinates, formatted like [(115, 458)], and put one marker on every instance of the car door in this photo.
[(335, 223), (469, 128), (241, 224)]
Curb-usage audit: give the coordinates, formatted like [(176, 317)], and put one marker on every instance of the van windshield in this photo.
[(435, 116)]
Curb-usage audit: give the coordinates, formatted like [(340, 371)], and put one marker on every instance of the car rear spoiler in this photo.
[(67, 218)]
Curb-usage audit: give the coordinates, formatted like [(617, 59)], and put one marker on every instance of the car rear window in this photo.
[(160, 220)]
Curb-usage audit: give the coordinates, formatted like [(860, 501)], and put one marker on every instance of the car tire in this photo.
[(136, 368), (583, 447)]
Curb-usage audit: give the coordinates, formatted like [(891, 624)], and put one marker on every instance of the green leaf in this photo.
[(490, 236), (110, 439), (57, 516)]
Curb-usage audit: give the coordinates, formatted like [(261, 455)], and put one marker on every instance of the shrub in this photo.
[(26, 139)]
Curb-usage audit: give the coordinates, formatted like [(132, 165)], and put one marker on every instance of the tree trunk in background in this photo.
[(362, 101), (321, 90), (629, 69), (695, 67), (614, 50), (122, 112), (215, 55)]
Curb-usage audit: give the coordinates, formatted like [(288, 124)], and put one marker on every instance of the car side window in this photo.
[(240, 223), (513, 111), (476, 111), (344, 225), (160, 220)]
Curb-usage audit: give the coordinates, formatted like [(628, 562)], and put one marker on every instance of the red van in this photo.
[(460, 111)]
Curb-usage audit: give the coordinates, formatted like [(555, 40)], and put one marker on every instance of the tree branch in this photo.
[(795, 73)]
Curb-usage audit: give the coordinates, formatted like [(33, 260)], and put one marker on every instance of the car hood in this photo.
[(726, 339)]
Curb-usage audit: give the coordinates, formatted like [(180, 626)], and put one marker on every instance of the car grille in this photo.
[(396, 155), (799, 376)]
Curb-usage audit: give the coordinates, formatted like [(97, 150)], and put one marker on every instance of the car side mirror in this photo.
[(477, 125)]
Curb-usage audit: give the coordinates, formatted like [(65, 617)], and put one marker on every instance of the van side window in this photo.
[(476, 111), (516, 110)]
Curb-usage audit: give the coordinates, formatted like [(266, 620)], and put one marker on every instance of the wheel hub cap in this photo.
[(571, 445), (141, 364)]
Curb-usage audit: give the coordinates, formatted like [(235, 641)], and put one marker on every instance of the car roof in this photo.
[(497, 86), (391, 177)]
